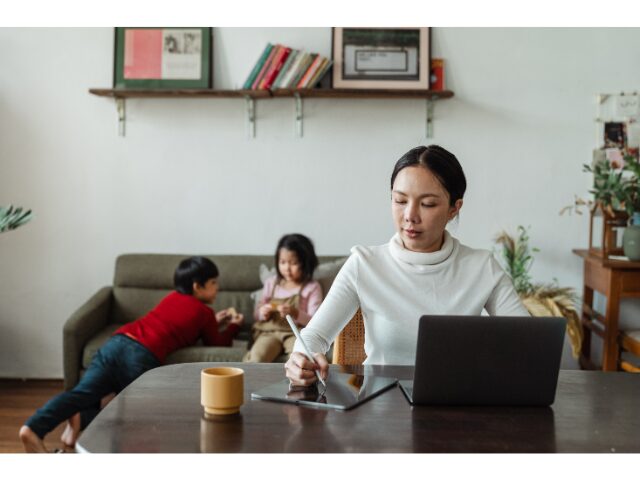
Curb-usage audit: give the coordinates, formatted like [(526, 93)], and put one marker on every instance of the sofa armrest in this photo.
[(79, 328)]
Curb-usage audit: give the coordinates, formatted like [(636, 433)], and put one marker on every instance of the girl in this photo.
[(290, 292), (422, 270)]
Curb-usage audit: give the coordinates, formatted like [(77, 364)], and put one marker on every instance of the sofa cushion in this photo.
[(208, 354), (131, 303), (237, 272)]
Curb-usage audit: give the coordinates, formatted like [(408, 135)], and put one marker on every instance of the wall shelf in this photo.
[(120, 95)]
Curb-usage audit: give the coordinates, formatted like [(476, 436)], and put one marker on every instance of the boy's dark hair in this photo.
[(443, 164), (193, 269), (303, 247)]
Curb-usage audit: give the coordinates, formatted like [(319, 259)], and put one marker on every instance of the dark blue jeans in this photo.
[(118, 363)]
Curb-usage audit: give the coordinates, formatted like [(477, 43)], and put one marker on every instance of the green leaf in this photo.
[(11, 218)]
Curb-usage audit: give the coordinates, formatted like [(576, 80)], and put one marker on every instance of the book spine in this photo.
[(304, 66), (265, 66), (312, 72), (278, 63), (326, 64), (269, 69), (309, 73), (286, 81), (256, 68), (285, 69)]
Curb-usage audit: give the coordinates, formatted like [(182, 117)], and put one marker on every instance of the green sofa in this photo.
[(140, 282)]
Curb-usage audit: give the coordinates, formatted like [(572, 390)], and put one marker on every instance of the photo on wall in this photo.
[(381, 58), (158, 58), (615, 135)]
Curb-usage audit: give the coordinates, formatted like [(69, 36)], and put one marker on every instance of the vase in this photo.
[(631, 238)]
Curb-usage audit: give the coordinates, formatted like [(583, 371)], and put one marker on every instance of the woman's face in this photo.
[(289, 266), (420, 208)]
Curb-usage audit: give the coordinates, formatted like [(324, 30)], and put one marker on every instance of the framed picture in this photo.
[(615, 135), (162, 57), (384, 58)]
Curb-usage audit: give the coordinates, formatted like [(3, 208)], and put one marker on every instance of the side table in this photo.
[(615, 279)]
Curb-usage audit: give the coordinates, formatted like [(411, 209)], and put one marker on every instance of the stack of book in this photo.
[(280, 66)]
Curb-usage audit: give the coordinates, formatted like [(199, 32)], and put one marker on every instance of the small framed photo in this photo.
[(162, 57), (615, 135), (382, 58)]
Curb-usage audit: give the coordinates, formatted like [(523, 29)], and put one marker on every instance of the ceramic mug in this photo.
[(221, 390)]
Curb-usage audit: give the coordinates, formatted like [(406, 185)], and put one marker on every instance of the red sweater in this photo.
[(176, 322)]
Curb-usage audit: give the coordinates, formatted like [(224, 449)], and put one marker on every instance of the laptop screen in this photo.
[(480, 360)]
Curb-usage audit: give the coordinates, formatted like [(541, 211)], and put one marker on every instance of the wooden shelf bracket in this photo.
[(251, 116), (120, 107)]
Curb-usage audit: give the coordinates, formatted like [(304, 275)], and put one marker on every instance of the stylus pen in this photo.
[(296, 332)]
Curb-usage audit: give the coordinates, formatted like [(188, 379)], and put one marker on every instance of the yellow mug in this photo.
[(221, 390)]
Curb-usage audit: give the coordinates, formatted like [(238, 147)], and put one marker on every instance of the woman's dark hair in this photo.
[(443, 164), (303, 248), (193, 269)]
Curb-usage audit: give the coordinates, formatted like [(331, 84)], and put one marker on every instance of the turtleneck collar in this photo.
[(400, 253)]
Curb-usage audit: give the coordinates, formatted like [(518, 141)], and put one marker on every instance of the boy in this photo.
[(176, 322)]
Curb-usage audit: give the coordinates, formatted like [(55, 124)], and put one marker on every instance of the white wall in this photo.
[(186, 178)]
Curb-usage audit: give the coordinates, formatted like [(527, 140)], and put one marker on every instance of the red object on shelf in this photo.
[(436, 80)]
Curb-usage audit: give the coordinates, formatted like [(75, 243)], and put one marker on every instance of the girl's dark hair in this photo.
[(193, 269), (443, 164), (303, 247)]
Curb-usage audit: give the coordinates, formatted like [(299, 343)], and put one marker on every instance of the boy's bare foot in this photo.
[(71, 431), (32, 443)]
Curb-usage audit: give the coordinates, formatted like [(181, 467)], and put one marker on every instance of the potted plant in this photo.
[(541, 300), (12, 218), (616, 197), (631, 201)]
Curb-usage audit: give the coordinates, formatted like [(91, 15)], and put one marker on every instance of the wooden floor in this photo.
[(18, 400)]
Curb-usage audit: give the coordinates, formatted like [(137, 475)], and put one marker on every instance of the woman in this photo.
[(422, 270)]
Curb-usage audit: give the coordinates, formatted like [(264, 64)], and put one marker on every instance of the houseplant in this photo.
[(631, 236), (541, 300), (616, 195), (12, 218)]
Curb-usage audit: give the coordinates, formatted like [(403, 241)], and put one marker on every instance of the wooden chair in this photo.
[(348, 349), (630, 342)]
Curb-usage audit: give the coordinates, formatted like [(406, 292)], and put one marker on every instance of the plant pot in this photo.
[(631, 239)]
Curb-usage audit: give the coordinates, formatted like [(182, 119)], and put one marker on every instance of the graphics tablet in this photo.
[(344, 391)]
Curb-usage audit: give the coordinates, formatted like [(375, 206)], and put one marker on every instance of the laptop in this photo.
[(479, 360)]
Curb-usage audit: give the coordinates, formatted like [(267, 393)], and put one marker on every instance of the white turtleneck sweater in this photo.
[(394, 287)]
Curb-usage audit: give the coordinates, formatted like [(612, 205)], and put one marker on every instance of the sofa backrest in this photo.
[(142, 280)]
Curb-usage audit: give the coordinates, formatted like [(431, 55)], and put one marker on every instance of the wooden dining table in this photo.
[(594, 411)]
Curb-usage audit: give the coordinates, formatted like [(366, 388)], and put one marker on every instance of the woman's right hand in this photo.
[(264, 312), (302, 371)]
